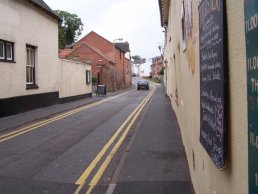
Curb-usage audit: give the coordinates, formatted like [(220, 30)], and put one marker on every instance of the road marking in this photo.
[(31, 127), (82, 179), (21, 131), (108, 159)]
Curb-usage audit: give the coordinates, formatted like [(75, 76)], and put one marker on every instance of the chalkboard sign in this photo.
[(251, 34), (212, 78), (101, 90)]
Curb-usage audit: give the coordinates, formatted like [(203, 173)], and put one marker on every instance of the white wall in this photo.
[(127, 55), (73, 79), (23, 24)]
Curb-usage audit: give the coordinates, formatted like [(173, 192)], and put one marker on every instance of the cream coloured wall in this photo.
[(183, 76), (127, 55), (73, 79), (24, 24)]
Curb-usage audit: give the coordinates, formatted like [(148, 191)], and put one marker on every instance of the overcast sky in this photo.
[(136, 21)]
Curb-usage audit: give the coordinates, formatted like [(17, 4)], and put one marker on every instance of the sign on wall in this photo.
[(212, 78), (251, 34)]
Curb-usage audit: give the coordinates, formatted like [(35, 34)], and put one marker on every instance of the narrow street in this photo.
[(130, 97), (109, 144)]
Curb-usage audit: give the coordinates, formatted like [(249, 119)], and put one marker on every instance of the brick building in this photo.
[(110, 63), (156, 66)]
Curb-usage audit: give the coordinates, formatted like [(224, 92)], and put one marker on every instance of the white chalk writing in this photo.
[(251, 23), (212, 78)]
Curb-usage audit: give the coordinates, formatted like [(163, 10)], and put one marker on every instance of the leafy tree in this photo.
[(69, 29), (136, 57), (138, 60)]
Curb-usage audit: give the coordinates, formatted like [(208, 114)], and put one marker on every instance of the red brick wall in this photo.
[(156, 68), (84, 53), (98, 42), (127, 73), (107, 77), (107, 73), (120, 77)]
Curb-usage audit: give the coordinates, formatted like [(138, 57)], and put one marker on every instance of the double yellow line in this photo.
[(83, 178), (31, 127)]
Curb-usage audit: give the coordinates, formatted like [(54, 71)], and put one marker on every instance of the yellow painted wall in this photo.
[(183, 87)]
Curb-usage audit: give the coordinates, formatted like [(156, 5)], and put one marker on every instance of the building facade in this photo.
[(29, 75), (156, 66), (30, 68), (206, 79), (110, 61)]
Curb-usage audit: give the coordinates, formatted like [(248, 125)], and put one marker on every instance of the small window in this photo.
[(2, 55), (9, 51), (6, 51), (30, 67), (88, 77)]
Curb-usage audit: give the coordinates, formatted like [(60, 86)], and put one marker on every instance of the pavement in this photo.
[(155, 160)]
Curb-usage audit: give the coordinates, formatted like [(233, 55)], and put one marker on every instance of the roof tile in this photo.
[(44, 7)]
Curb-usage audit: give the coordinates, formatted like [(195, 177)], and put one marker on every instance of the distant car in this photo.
[(133, 75), (143, 84)]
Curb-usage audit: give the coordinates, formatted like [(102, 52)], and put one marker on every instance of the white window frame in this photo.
[(88, 77), (10, 46), (11, 51), (30, 63), (3, 54)]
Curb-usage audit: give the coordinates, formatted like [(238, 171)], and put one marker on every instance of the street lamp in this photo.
[(113, 56)]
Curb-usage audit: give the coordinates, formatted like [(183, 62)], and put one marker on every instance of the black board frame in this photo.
[(101, 90), (210, 143)]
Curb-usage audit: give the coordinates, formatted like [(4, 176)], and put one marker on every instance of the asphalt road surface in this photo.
[(63, 154), (115, 145)]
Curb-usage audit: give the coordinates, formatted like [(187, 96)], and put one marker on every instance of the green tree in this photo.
[(69, 29), (136, 57), (138, 60)]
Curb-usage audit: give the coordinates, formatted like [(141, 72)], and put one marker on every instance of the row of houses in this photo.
[(210, 60), (32, 74)]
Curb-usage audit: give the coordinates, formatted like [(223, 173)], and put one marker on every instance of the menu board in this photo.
[(101, 90), (251, 34), (212, 79)]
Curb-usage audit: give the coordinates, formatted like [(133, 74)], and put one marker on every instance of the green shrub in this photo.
[(94, 81), (161, 72)]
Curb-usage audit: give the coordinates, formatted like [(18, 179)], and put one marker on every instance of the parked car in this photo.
[(133, 75), (142, 84)]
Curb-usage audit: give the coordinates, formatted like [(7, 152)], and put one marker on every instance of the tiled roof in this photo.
[(123, 46), (164, 12), (66, 52), (100, 53), (40, 4)]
